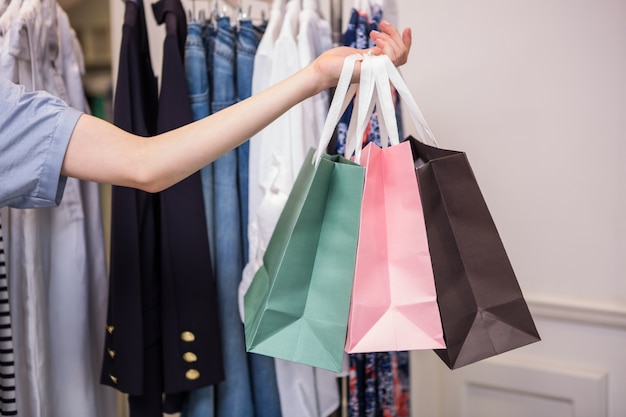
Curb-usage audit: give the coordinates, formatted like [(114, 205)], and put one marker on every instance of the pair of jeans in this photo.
[(198, 82), (234, 394), (208, 34), (247, 43), (200, 402), (262, 369)]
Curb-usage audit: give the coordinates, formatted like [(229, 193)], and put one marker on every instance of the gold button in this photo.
[(113, 378), (190, 357), (192, 374), (110, 329), (187, 336), (111, 353)]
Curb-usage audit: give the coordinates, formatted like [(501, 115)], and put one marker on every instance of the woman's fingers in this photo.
[(393, 44)]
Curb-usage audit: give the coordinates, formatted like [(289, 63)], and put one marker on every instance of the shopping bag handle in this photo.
[(362, 110), (423, 130), (377, 72), (344, 92), (386, 108), (374, 90)]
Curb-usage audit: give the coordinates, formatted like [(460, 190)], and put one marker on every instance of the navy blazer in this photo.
[(162, 331)]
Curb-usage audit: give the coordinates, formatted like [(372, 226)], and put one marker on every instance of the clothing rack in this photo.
[(335, 18)]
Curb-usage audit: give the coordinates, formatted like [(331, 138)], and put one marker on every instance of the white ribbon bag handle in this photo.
[(344, 92), (377, 72), (415, 113), (386, 108), (374, 90), (362, 110)]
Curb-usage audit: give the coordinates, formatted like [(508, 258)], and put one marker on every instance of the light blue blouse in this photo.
[(35, 129)]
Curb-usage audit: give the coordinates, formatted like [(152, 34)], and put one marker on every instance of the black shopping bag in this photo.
[(483, 310)]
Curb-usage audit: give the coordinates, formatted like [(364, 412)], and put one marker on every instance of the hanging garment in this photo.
[(80, 362), (314, 38), (189, 299), (234, 394), (260, 81), (162, 305), (8, 404), (247, 42), (56, 266), (256, 72), (133, 233), (208, 34), (200, 402), (265, 396), (379, 384)]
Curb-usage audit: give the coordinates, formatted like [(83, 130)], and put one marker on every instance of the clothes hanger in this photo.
[(192, 12), (227, 7)]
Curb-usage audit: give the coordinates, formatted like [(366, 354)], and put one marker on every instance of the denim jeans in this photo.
[(200, 402), (199, 96), (196, 71), (262, 370), (247, 42), (234, 395)]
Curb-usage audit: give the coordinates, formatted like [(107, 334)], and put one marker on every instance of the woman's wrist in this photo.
[(314, 80)]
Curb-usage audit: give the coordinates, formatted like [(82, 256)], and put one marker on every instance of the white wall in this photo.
[(535, 92)]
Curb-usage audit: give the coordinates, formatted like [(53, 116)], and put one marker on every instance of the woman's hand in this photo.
[(388, 41)]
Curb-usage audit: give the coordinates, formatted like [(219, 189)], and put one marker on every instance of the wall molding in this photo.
[(526, 388), (578, 312)]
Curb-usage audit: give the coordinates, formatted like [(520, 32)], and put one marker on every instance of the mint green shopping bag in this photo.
[(297, 305)]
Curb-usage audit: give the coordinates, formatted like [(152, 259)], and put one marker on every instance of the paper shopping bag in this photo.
[(482, 307), (297, 305), (394, 302)]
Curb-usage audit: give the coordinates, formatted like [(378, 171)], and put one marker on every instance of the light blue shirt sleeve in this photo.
[(35, 129)]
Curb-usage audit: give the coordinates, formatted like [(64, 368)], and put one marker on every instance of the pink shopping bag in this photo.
[(394, 301)]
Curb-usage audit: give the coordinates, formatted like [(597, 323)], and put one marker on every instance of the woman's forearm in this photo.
[(101, 152)]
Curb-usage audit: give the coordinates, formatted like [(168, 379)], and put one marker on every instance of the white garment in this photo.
[(306, 391), (271, 152), (261, 74), (8, 405), (56, 267), (314, 38)]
